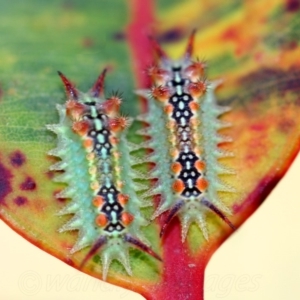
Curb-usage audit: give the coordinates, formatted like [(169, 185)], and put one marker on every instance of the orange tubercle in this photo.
[(196, 89), (98, 201), (178, 186), (113, 140), (101, 220), (111, 106), (168, 109), (126, 218), (176, 167), (161, 93), (158, 75), (123, 199), (81, 127), (194, 106), (75, 109), (195, 71), (202, 184), (200, 165), (88, 143), (117, 124)]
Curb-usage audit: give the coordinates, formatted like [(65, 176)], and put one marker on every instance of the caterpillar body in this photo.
[(96, 163), (183, 118)]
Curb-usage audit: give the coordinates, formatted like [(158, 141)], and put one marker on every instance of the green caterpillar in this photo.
[(95, 159)]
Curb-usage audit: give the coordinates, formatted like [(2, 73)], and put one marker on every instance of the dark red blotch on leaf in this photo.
[(5, 186), (28, 185), (17, 158), (170, 36), (292, 5), (20, 200)]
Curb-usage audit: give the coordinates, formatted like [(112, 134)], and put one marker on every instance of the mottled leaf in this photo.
[(251, 45)]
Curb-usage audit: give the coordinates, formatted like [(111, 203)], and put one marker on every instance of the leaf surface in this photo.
[(251, 45)]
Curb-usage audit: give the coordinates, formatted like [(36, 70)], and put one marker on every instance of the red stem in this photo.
[(183, 276), (142, 19)]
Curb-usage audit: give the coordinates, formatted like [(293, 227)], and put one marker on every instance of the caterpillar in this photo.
[(96, 163), (183, 118)]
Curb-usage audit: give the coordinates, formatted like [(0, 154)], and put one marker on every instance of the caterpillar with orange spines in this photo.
[(96, 163), (183, 118)]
